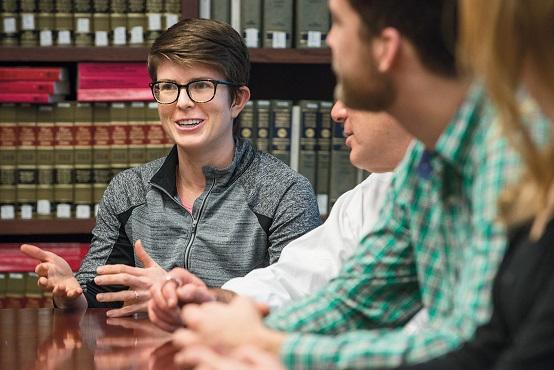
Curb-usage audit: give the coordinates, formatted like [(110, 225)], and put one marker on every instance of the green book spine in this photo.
[(10, 29), (9, 134), (263, 122), (119, 132), (101, 22), (251, 22), (33, 293), (281, 114), (28, 35), (220, 10), (63, 22), (312, 23), (26, 179), (45, 160), (136, 23), (277, 26), (136, 28), (46, 22), (343, 174), (307, 163), (84, 134), (15, 290), (83, 23), (154, 10), (155, 135), (137, 134), (247, 123), (101, 157), (172, 6), (64, 159), (324, 138), (3, 283)]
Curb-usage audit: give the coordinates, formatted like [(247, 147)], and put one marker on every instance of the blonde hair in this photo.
[(497, 38)]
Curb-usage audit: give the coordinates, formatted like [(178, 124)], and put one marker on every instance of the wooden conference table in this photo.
[(45, 338)]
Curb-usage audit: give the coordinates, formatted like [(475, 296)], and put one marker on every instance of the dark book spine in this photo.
[(101, 151), (45, 160), (26, 178), (9, 134), (263, 122), (307, 163), (64, 159), (281, 114), (84, 134)]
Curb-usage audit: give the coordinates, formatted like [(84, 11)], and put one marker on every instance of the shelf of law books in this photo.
[(75, 108), (268, 24)]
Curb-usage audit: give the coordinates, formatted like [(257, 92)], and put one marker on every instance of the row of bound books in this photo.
[(85, 23), (303, 135), (273, 23), (18, 282), (33, 84), (56, 160)]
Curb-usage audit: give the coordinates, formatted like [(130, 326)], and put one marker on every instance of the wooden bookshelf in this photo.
[(129, 54), (46, 227)]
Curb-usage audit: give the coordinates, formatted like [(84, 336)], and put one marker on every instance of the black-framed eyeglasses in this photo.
[(199, 91)]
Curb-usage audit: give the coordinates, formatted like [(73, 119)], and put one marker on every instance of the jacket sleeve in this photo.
[(110, 245), (295, 215), (326, 248)]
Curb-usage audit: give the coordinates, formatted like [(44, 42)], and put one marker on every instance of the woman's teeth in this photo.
[(189, 122)]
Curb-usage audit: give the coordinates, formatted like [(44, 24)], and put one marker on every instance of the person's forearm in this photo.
[(64, 303)]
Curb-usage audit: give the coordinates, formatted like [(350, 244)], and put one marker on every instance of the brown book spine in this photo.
[(101, 151), (26, 179), (9, 133), (155, 135), (45, 160), (83, 160), (119, 130), (137, 134), (64, 157), (263, 122)]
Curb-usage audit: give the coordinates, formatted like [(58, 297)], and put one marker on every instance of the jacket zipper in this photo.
[(195, 225)]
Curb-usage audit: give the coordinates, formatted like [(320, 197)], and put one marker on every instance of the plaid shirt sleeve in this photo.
[(376, 287), (356, 304)]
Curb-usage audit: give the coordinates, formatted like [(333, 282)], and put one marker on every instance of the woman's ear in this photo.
[(241, 98)]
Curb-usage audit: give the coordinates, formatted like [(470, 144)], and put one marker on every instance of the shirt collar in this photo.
[(165, 177), (453, 144)]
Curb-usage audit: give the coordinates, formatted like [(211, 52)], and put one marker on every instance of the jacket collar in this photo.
[(166, 176)]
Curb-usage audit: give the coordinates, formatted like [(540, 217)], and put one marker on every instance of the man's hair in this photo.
[(430, 25), (202, 41)]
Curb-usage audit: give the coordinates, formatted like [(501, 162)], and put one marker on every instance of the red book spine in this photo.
[(112, 69), (28, 98), (32, 73), (12, 260), (123, 82), (116, 94), (26, 87)]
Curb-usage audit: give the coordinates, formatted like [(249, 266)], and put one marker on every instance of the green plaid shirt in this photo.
[(437, 244)]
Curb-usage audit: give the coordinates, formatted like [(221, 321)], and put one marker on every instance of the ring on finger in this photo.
[(169, 278)]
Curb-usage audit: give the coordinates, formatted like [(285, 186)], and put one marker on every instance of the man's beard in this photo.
[(373, 95)]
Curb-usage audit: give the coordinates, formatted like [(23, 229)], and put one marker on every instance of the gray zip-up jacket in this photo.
[(243, 219)]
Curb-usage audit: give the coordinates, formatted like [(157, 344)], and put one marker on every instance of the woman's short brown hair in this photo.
[(203, 41)]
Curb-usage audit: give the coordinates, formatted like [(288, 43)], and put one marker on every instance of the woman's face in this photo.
[(198, 126)]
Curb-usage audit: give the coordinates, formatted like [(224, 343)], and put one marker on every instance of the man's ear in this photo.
[(386, 49), (241, 98)]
